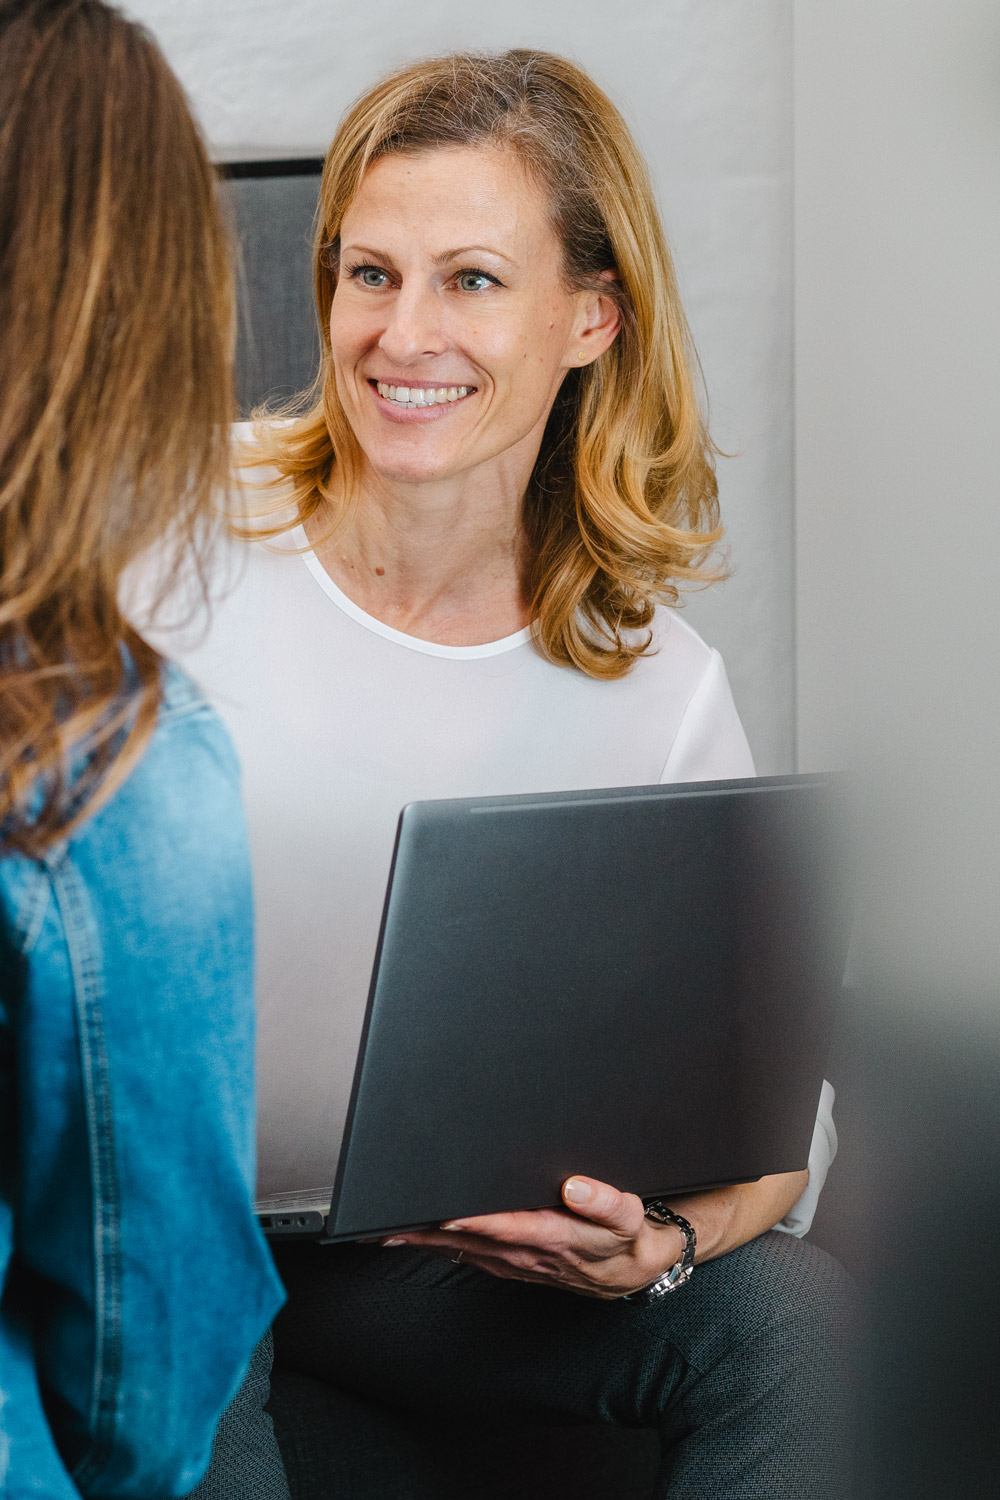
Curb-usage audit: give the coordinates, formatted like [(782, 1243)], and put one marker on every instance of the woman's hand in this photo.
[(600, 1245)]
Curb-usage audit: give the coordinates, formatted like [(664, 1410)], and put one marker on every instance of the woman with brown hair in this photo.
[(494, 496), (134, 1280)]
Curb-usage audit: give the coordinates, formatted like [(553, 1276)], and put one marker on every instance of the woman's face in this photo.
[(451, 327)]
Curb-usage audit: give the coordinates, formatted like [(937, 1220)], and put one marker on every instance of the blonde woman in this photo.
[(134, 1281), (488, 510)]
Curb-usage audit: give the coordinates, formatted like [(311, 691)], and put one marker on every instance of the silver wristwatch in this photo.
[(681, 1270)]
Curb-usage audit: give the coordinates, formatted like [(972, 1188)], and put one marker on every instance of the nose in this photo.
[(415, 325)]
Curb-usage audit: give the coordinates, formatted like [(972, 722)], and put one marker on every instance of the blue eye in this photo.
[(372, 276), (476, 281)]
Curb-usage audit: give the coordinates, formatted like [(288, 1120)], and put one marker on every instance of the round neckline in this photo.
[(388, 632)]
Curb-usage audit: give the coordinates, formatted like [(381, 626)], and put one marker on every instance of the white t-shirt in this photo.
[(339, 720)]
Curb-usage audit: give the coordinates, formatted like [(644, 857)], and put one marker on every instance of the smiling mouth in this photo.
[(416, 396)]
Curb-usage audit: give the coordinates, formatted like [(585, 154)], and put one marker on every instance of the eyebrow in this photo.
[(439, 260)]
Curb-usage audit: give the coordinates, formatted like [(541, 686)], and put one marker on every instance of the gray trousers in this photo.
[(746, 1373)]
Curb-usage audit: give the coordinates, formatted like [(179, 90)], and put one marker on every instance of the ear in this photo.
[(595, 326)]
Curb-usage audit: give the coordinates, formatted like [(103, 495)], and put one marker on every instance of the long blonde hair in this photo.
[(115, 391), (622, 507)]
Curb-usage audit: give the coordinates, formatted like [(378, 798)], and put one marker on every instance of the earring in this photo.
[(581, 355)]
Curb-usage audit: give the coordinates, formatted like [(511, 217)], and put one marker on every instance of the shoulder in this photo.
[(164, 861), (710, 743), (168, 849), (188, 728), (182, 698), (180, 808), (679, 641), (677, 659)]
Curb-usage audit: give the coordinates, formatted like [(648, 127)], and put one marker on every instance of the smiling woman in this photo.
[(491, 224), (498, 487)]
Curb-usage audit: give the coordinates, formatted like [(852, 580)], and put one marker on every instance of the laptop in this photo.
[(637, 984)]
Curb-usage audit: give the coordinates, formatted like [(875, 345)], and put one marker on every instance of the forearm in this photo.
[(727, 1217)]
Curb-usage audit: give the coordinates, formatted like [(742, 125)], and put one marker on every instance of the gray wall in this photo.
[(707, 88), (898, 408), (898, 538)]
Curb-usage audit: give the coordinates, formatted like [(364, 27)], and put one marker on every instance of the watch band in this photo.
[(681, 1271)]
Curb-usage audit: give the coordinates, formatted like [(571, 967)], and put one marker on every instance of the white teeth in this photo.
[(422, 395)]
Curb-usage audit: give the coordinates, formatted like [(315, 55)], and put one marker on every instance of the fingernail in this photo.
[(577, 1191), (455, 1225), (387, 1243)]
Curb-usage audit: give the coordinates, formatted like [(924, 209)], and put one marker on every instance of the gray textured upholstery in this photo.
[(277, 351)]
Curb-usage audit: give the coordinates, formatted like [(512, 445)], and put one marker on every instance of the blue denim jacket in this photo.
[(134, 1279)]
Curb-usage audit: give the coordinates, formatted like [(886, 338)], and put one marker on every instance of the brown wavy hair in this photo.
[(115, 391), (622, 508)]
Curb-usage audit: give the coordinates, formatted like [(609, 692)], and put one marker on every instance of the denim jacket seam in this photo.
[(171, 712), (176, 714), (28, 919), (84, 952), (180, 696)]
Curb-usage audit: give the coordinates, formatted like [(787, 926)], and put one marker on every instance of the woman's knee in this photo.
[(245, 1456), (776, 1288)]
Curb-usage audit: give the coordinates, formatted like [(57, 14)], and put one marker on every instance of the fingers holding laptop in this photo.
[(600, 1245)]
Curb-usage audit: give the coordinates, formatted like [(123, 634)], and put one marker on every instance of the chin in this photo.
[(411, 475), (409, 468)]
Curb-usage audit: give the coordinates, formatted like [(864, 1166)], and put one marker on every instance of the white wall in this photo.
[(707, 89)]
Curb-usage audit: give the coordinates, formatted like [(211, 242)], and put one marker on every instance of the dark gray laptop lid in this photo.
[(636, 984)]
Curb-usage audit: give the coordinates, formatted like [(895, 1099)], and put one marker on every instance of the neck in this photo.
[(442, 560)]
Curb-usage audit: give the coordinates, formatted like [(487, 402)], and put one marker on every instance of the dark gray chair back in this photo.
[(273, 203)]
